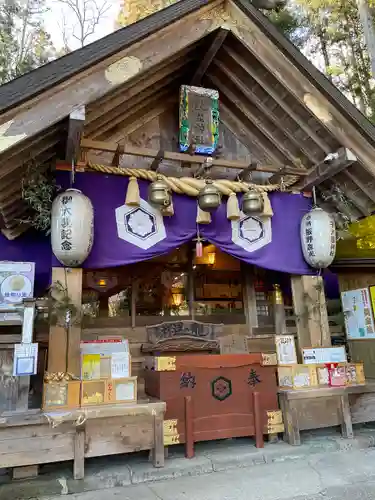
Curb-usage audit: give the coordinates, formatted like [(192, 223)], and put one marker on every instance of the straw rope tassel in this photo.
[(190, 186), (267, 207), (202, 216), (133, 198), (233, 209)]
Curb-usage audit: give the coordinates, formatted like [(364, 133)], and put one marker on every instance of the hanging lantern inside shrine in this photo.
[(72, 227), (252, 202), (159, 194), (209, 197), (318, 238)]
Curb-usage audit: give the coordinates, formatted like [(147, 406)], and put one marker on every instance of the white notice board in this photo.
[(286, 350), (25, 359), (359, 320), (322, 355)]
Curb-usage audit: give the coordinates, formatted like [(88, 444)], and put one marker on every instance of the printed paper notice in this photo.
[(91, 366), (286, 350), (25, 360), (120, 365), (125, 392), (359, 320)]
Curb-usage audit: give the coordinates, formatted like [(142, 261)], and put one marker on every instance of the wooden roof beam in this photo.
[(278, 99), (302, 88), (111, 147), (21, 160), (331, 166), (365, 188), (133, 123), (248, 138), (310, 155), (209, 56), (356, 199), (268, 135), (146, 78), (108, 74), (133, 91), (110, 119), (75, 131)]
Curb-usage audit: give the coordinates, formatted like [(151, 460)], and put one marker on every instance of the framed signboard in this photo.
[(322, 355), (286, 350), (16, 284), (359, 318)]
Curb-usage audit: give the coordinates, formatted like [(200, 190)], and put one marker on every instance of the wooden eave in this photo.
[(271, 98)]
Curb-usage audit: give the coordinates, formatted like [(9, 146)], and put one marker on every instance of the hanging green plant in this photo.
[(38, 191)]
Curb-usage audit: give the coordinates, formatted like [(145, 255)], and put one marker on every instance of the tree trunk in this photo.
[(368, 30)]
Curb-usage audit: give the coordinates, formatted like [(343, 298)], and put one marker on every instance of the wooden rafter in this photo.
[(327, 169), (103, 78), (106, 120), (111, 147), (101, 109), (144, 79), (19, 162), (278, 64), (247, 137), (356, 199), (366, 189), (270, 141), (134, 111), (264, 110), (323, 146), (209, 56), (138, 120)]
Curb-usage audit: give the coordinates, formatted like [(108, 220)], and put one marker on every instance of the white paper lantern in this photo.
[(318, 238), (72, 227)]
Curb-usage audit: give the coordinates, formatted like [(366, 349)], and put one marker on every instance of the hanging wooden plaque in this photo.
[(199, 119)]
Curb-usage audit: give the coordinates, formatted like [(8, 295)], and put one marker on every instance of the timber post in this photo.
[(249, 298), (278, 310), (59, 342), (310, 309)]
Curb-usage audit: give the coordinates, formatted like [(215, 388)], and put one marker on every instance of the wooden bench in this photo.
[(34, 437), (306, 409)]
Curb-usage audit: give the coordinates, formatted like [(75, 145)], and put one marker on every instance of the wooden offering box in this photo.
[(214, 397), (109, 391), (61, 395)]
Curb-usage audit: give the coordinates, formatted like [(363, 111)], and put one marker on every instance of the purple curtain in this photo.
[(273, 245), (282, 253), (107, 193)]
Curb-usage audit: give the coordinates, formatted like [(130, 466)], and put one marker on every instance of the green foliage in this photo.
[(330, 33), (38, 191), (24, 42)]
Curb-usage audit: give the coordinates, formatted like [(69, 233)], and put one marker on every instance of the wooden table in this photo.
[(315, 408), (35, 437)]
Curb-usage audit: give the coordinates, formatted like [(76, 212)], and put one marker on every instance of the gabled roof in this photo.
[(41, 79), (272, 98)]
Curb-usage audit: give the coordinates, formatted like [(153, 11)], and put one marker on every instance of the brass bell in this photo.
[(209, 197), (252, 202), (158, 193)]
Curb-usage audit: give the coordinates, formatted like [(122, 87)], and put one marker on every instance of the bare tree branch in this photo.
[(87, 15)]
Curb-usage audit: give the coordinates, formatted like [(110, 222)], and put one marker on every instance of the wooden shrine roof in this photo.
[(273, 100)]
